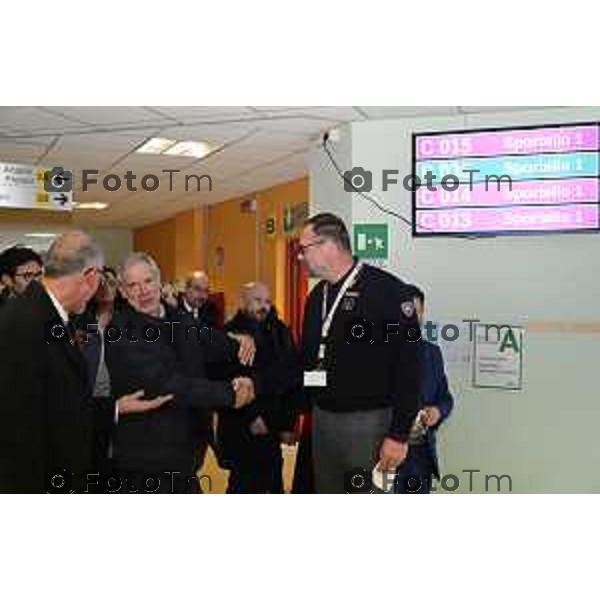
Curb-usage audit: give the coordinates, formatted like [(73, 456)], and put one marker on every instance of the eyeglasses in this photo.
[(136, 287), (108, 282), (29, 275), (302, 248)]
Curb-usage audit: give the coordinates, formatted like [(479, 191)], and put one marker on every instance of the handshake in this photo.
[(243, 388)]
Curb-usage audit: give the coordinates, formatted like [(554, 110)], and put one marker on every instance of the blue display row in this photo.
[(518, 168)]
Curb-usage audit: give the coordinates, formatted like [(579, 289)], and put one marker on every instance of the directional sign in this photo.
[(371, 240), (22, 186)]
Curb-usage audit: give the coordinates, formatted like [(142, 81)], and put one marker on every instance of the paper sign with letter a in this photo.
[(498, 356)]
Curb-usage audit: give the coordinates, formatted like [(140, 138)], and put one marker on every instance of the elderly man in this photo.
[(195, 302), (249, 440), (155, 451), (46, 414)]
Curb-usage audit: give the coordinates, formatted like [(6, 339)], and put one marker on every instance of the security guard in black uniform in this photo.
[(360, 350)]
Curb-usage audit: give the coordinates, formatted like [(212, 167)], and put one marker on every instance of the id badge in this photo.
[(315, 378)]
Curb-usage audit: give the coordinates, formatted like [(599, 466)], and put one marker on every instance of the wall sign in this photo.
[(498, 356)]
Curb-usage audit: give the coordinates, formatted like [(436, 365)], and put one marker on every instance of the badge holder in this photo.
[(317, 377)]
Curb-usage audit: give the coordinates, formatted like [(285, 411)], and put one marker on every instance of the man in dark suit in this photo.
[(415, 474), (195, 301), (46, 414), (148, 350), (46, 423)]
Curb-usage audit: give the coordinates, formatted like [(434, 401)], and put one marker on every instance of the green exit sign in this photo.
[(371, 240)]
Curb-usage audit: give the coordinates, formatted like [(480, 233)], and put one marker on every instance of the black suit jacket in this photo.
[(46, 418), (164, 439), (208, 313)]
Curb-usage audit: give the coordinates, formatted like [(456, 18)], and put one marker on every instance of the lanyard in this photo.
[(326, 317)]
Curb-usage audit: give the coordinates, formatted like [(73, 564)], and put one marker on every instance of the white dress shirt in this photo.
[(64, 315), (189, 309)]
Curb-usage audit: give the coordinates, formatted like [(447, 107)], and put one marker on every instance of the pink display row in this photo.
[(520, 218), (513, 141), (522, 192)]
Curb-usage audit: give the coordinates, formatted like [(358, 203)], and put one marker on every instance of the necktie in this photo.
[(71, 331)]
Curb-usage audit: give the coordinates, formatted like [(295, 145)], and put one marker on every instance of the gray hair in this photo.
[(72, 253), (139, 258)]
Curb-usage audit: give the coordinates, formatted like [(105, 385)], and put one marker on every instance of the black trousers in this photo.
[(103, 428), (256, 467), (415, 474)]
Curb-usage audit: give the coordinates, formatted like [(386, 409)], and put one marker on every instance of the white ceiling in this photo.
[(261, 146)]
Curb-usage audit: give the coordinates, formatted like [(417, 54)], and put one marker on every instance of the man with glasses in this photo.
[(20, 266), (47, 419), (360, 360)]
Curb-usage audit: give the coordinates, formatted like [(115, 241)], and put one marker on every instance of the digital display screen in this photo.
[(504, 181)]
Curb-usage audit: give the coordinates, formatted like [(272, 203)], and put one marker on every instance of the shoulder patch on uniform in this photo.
[(408, 309)]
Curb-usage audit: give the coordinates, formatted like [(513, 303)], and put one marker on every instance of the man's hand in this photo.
[(244, 391), (430, 416), (247, 349), (259, 427), (392, 453), (133, 403), (288, 438)]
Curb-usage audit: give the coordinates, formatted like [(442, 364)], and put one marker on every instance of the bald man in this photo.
[(250, 439)]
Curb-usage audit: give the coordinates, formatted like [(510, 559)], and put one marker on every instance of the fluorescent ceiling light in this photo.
[(156, 145), (90, 205), (191, 149), (188, 148), (41, 235)]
